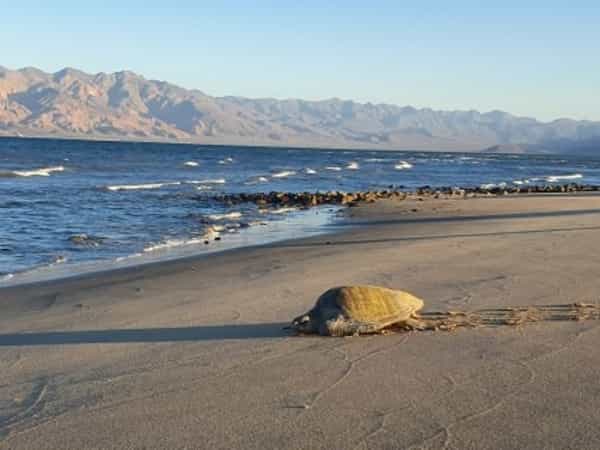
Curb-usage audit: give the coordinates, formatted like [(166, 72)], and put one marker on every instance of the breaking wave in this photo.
[(559, 178), (133, 187), (43, 172), (6, 277), (278, 211), (549, 179), (212, 233), (402, 165), (283, 174), (488, 186), (231, 215), (213, 181), (171, 243)]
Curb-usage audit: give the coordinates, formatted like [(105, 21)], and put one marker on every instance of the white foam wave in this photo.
[(231, 215), (59, 260), (526, 181), (213, 181), (171, 243), (353, 166), (133, 187), (333, 168), (310, 171), (233, 227), (558, 178), (226, 161), (278, 211), (125, 258), (256, 180), (191, 164), (549, 179), (283, 174), (403, 165), (212, 233), (375, 160), (43, 172), (492, 185)]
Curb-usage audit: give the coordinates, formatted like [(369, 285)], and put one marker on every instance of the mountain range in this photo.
[(126, 106)]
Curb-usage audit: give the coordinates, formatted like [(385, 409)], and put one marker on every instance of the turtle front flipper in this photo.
[(341, 326)]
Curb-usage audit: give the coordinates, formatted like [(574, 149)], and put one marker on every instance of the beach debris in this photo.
[(363, 309), (87, 240)]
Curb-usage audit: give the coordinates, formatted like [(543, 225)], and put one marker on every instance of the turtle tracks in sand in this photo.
[(507, 316)]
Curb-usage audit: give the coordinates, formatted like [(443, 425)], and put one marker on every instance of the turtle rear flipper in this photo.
[(414, 323)]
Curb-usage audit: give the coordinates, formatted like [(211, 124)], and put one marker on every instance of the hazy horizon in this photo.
[(532, 61)]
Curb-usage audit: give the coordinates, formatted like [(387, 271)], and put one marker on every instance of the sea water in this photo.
[(68, 205)]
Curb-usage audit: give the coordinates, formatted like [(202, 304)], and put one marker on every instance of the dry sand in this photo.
[(191, 354)]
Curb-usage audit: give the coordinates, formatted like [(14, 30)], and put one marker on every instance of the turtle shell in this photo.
[(371, 304)]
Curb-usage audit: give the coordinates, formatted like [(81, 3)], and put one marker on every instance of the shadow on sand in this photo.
[(190, 334), (431, 237), (467, 218), (446, 321)]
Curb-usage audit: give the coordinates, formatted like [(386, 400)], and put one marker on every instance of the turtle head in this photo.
[(304, 324)]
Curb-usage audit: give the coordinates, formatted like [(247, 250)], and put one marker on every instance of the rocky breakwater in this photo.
[(303, 200)]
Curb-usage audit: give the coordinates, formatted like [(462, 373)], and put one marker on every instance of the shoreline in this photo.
[(334, 222), (272, 232), (356, 218)]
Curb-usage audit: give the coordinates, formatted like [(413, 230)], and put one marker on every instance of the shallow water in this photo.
[(64, 203)]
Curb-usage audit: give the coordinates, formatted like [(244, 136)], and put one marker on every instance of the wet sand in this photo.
[(191, 353)]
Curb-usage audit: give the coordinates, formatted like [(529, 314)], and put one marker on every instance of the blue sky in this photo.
[(539, 59)]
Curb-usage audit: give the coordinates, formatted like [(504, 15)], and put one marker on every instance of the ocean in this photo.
[(68, 206)]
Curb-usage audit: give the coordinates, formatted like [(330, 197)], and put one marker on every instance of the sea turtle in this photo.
[(354, 310)]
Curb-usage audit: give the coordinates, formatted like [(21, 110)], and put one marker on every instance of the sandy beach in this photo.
[(191, 353)]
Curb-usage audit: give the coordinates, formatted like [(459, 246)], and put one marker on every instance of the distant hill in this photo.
[(124, 105), (587, 146)]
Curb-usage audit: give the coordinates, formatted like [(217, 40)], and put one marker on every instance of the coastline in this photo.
[(97, 206), (302, 224), (313, 214), (191, 352)]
